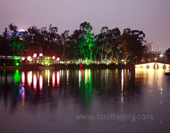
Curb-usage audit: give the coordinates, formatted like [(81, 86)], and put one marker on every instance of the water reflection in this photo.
[(53, 79), (106, 82), (58, 78), (29, 78), (35, 82), (23, 78), (84, 90), (152, 77)]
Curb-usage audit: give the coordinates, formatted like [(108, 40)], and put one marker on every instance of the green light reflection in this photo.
[(17, 76)]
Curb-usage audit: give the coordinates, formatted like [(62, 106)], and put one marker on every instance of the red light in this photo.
[(35, 81), (53, 79), (58, 58)]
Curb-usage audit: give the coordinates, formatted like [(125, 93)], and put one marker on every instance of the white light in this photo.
[(53, 57), (161, 55), (21, 30), (35, 55), (23, 58), (29, 58), (41, 54), (58, 58), (122, 60)]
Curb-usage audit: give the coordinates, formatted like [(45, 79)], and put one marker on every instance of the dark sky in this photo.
[(150, 16)]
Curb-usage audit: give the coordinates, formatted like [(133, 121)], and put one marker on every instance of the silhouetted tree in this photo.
[(167, 53)]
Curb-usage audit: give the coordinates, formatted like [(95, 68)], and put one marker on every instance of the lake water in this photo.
[(84, 101)]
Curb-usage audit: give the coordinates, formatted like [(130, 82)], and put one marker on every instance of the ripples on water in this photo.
[(48, 100)]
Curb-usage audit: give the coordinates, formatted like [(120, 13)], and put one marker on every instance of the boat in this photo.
[(167, 72)]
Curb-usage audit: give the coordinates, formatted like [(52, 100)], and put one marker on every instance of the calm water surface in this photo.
[(84, 101)]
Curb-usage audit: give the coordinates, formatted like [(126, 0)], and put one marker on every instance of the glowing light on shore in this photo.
[(35, 55), (40, 54), (53, 57), (23, 58), (29, 58), (58, 58)]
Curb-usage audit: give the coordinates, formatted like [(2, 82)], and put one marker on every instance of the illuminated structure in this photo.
[(18, 33), (150, 47), (153, 65)]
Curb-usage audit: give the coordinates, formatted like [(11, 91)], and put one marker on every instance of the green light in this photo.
[(17, 58), (87, 43), (4, 64), (17, 64)]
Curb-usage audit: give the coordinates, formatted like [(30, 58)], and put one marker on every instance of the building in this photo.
[(150, 47)]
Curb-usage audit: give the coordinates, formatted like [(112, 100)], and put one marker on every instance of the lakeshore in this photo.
[(69, 66)]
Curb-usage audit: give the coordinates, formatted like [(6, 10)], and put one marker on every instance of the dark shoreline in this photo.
[(69, 66)]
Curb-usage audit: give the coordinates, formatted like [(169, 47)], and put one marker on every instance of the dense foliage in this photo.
[(81, 44), (167, 53)]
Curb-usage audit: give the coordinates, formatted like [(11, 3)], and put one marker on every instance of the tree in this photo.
[(108, 41), (167, 53), (65, 45), (74, 39), (42, 40), (13, 40), (84, 40), (131, 47)]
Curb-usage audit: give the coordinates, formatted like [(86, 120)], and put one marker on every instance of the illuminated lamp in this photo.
[(23, 58), (29, 58), (58, 58), (161, 55), (35, 55), (40, 54), (16, 64), (53, 57)]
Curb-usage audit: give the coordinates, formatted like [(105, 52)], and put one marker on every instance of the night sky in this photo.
[(150, 16)]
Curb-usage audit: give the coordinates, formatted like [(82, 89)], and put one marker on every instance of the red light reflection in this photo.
[(53, 79), (58, 78)]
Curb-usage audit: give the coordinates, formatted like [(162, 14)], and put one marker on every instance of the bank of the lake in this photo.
[(69, 66)]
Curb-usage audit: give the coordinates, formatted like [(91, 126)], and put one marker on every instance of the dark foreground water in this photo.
[(85, 101)]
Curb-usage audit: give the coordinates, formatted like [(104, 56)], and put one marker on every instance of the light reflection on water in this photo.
[(58, 95)]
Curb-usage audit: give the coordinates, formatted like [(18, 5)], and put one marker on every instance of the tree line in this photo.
[(81, 44)]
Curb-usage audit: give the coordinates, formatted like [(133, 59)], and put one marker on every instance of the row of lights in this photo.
[(41, 55)]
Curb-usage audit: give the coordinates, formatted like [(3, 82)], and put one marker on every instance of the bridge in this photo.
[(153, 65)]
